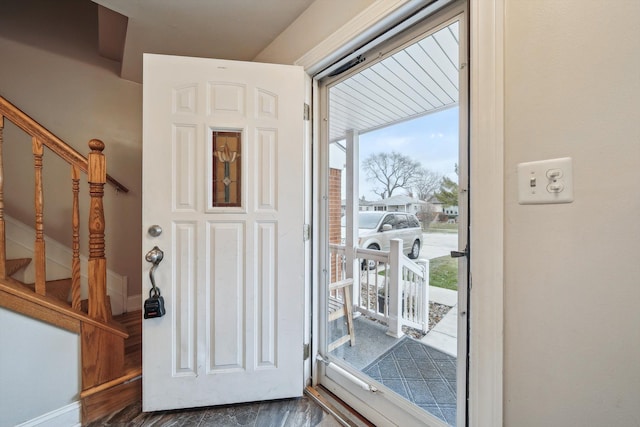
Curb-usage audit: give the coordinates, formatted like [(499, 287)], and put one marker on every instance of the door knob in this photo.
[(155, 230)]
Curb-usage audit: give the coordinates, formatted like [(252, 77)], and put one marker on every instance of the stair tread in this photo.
[(131, 373), (58, 288), (12, 266)]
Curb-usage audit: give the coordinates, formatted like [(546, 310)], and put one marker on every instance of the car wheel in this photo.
[(368, 264), (415, 250)]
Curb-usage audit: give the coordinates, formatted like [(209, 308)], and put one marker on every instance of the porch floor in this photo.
[(419, 373), (423, 372)]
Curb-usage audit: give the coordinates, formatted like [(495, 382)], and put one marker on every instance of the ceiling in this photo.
[(224, 29), (420, 79)]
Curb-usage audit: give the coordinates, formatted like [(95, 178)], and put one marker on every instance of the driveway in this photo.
[(435, 245)]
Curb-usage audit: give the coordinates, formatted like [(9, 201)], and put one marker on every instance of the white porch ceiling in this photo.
[(418, 80)]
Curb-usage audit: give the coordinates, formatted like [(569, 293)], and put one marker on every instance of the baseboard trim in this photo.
[(68, 415), (106, 402)]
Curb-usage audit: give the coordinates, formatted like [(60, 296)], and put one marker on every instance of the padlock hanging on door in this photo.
[(154, 305)]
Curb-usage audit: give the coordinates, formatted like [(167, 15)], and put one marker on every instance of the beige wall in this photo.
[(51, 70), (572, 276)]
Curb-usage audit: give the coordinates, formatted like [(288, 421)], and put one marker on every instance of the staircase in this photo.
[(110, 346)]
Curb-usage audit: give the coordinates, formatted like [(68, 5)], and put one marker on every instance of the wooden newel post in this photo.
[(98, 307)]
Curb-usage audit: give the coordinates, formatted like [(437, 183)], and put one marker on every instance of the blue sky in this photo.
[(432, 140)]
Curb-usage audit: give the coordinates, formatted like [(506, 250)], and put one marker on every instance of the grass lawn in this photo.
[(442, 227), (443, 272)]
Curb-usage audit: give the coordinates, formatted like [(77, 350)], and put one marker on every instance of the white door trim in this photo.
[(487, 206), (487, 181)]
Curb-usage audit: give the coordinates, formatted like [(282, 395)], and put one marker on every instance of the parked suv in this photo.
[(377, 228)]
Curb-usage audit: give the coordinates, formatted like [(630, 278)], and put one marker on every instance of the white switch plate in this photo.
[(545, 181)]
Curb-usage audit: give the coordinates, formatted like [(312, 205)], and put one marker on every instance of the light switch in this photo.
[(545, 181)]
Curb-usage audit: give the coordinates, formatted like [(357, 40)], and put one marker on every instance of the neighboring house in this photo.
[(399, 203), (568, 351), (363, 205), (366, 205), (434, 205), (392, 204), (451, 212)]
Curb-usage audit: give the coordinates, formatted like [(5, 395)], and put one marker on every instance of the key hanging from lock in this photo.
[(154, 305)]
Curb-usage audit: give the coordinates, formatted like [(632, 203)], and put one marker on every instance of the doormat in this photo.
[(421, 374)]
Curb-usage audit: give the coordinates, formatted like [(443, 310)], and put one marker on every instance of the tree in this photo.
[(448, 193), (390, 171), (426, 183)]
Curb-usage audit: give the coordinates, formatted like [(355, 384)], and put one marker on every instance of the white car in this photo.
[(377, 228)]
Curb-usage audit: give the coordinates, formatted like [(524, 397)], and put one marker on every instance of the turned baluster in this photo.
[(39, 247), (98, 308), (75, 222), (3, 242)]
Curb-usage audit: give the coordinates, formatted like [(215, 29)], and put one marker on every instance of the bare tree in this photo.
[(390, 171), (426, 183)]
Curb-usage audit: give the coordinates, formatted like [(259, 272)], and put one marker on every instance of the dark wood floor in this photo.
[(279, 413)]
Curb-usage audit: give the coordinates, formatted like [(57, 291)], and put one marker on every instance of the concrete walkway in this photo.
[(444, 336), (435, 245)]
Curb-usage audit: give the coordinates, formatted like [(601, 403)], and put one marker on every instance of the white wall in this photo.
[(39, 368), (572, 276), (52, 71)]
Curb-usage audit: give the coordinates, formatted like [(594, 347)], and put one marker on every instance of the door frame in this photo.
[(486, 140), (384, 408)]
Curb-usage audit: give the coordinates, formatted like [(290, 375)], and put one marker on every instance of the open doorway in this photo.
[(395, 302)]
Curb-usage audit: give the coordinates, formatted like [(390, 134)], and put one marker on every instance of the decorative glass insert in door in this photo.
[(227, 166)]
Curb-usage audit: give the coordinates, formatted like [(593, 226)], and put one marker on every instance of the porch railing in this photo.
[(390, 287)]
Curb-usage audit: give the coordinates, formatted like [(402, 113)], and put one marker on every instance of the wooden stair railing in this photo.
[(55, 144), (99, 335)]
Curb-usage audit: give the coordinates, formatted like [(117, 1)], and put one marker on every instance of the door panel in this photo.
[(232, 275), (419, 379)]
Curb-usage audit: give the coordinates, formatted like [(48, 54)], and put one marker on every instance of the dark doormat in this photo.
[(420, 374)]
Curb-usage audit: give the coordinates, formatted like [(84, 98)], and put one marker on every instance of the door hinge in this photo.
[(306, 351), (307, 112), (306, 232)]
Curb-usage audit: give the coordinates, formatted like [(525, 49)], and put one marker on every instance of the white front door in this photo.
[(232, 275)]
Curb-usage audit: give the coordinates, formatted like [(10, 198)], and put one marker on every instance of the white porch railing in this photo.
[(394, 291)]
